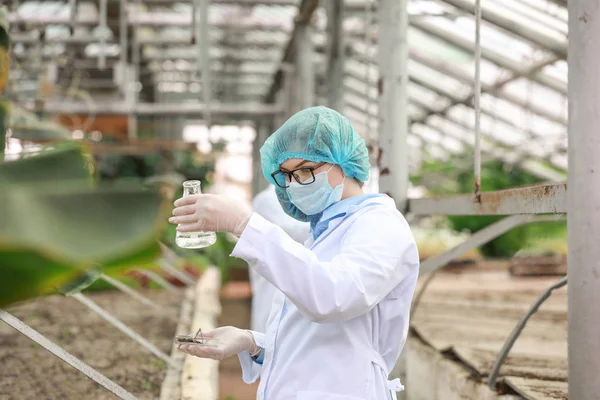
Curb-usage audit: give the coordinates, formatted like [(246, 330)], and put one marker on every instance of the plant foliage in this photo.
[(59, 228), (448, 177)]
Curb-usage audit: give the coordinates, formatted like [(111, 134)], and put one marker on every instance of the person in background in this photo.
[(267, 206), (340, 317)]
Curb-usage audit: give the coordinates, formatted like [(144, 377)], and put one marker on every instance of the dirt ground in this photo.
[(27, 371)]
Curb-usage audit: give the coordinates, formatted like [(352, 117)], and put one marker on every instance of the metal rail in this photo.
[(512, 338), (138, 296), (65, 356), (434, 264), (182, 276), (123, 328), (537, 199)]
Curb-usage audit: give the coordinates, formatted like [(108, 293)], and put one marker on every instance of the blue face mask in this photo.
[(314, 198)]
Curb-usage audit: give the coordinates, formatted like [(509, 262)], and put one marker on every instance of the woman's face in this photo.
[(302, 168)]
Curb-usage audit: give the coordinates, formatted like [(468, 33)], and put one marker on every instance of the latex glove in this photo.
[(232, 341), (211, 213)]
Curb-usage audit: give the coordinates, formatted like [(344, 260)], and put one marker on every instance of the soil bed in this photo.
[(30, 372)]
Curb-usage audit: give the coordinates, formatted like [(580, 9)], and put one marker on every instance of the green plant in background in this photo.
[(455, 176), (59, 229)]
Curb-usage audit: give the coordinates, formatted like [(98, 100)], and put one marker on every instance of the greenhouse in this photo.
[(153, 152)]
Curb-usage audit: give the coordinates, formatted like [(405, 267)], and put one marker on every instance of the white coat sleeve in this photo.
[(377, 252), (251, 370)]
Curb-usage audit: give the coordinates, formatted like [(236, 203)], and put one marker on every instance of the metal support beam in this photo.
[(103, 29), (259, 183), (249, 110), (124, 328), (462, 75), (204, 54), (159, 280), (181, 275), (305, 12), (538, 199), (584, 200), (305, 68), (393, 100), (138, 296), (493, 16), (123, 45), (335, 54), (434, 264), (152, 19), (65, 356), (493, 55)]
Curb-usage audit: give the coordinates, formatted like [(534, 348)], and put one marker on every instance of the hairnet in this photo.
[(317, 134)]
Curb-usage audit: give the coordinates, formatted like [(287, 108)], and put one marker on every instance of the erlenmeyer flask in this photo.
[(194, 240)]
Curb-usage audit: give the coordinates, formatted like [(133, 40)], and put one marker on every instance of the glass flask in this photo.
[(194, 240)]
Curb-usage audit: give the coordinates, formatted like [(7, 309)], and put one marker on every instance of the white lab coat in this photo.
[(267, 206), (340, 319)]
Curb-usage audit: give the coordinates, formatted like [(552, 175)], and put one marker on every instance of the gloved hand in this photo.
[(232, 341), (210, 212)]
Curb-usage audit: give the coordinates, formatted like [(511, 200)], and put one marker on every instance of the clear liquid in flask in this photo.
[(194, 240)]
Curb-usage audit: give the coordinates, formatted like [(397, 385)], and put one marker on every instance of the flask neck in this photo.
[(191, 188)]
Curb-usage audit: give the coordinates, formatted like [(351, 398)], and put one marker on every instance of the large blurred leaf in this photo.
[(71, 229), (68, 162), (26, 273), (59, 231)]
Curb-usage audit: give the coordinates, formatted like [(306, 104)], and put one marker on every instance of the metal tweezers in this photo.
[(201, 336)]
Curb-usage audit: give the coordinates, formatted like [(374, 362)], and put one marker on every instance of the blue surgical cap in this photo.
[(317, 134)]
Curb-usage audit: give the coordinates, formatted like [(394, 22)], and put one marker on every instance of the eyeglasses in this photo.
[(304, 176)]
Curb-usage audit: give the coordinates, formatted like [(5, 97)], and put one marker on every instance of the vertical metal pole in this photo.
[(133, 78), (305, 67), (204, 53), (259, 182), (103, 27), (583, 200), (123, 41), (477, 99), (335, 54), (73, 16), (288, 93), (393, 104)]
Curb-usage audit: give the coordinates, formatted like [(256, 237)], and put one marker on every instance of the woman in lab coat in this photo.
[(340, 319)]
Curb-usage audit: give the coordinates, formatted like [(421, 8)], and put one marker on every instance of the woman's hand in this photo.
[(230, 341), (210, 212)]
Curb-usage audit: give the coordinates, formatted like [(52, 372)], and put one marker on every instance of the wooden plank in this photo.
[(544, 265), (534, 389), (445, 336)]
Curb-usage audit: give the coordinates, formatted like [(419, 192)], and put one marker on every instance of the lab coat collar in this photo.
[(338, 212)]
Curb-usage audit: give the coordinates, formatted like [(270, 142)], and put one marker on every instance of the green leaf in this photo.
[(86, 225), (66, 162), (27, 273), (60, 231), (68, 230), (81, 282)]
